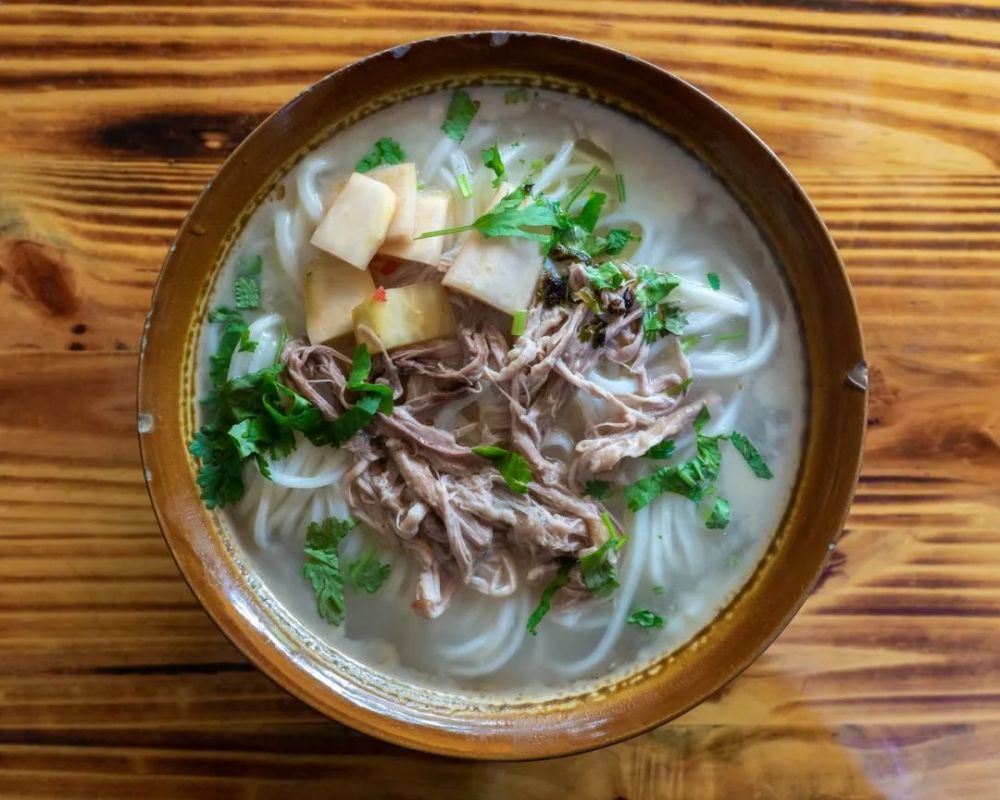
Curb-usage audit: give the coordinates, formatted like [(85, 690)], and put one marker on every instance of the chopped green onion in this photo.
[(519, 322), (714, 281), (581, 187), (620, 183), (464, 187)]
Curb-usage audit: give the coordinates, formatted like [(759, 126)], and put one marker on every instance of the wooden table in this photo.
[(113, 682)]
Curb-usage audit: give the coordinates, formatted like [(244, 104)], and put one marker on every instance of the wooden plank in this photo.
[(113, 682)]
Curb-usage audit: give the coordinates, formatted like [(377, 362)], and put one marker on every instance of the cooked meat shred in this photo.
[(415, 478)]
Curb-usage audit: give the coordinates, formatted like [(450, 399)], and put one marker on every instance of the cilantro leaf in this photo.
[(361, 364), (255, 417), (714, 281), (680, 388), (751, 455), (644, 618), (512, 466), (587, 218), (247, 291), (612, 244), (491, 158), (368, 573), (654, 286), (659, 317), (605, 276), (702, 419), (686, 479), (599, 490), (719, 518), (385, 152), (235, 334), (322, 566), (461, 110), (560, 579), (510, 217), (598, 572), (664, 449), (220, 476)]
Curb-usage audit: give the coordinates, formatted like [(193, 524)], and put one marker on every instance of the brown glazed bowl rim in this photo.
[(436, 720)]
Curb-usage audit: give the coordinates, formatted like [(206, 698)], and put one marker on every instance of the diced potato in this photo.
[(402, 179), (431, 214), (500, 272), (356, 223), (407, 315), (332, 289)]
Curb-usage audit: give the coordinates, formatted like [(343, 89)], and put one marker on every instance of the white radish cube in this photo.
[(501, 272), (402, 179), (357, 221), (332, 289), (431, 215), (405, 315)]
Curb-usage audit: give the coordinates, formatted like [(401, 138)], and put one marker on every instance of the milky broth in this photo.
[(672, 564)]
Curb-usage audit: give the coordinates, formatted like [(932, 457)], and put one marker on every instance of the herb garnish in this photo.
[(719, 518), (599, 490), (519, 322), (464, 186), (511, 216), (386, 151), (644, 618), (247, 284), (664, 449), (620, 185), (598, 572), (688, 342), (491, 158), (750, 455), (714, 281), (560, 579), (680, 388), (322, 566), (512, 466), (461, 110), (694, 478), (659, 316), (254, 417), (368, 573)]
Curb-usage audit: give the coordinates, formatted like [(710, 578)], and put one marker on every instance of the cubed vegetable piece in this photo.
[(402, 179), (406, 315), (501, 272), (431, 215), (357, 221), (332, 289)]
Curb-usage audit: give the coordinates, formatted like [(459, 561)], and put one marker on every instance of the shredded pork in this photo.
[(419, 482)]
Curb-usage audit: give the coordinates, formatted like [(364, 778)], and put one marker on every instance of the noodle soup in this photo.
[(547, 442)]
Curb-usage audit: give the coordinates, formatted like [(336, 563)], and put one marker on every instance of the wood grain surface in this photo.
[(113, 682)]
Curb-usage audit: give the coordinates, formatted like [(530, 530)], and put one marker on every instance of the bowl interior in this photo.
[(438, 720)]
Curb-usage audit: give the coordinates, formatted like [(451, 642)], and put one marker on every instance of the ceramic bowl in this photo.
[(443, 721)]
